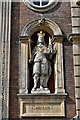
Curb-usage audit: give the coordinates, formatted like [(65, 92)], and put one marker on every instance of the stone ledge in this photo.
[(57, 95), (74, 38), (59, 38)]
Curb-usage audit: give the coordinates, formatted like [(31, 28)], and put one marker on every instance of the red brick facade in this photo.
[(21, 15)]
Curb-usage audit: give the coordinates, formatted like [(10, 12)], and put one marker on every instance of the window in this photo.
[(41, 5), (40, 2)]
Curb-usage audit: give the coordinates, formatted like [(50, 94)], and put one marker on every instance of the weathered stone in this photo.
[(42, 105)]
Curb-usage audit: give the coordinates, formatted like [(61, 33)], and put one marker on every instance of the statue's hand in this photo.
[(50, 56), (30, 60)]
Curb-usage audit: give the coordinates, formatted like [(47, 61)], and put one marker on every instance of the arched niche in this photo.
[(53, 30), (41, 24)]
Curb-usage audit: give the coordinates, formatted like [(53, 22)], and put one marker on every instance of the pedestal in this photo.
[(49, 105)]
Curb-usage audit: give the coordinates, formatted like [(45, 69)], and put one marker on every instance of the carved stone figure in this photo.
[(41, 65)]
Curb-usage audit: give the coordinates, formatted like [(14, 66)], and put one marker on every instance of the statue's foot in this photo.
[(34, 88), (41, 88), (46, 89)]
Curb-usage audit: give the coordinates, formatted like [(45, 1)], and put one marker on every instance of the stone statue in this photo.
[(41, 65)]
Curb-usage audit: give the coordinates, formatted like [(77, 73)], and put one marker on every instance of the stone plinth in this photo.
[(45, 105), (40, 91)]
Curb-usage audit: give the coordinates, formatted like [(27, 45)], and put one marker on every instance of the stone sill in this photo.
[(51, 94)]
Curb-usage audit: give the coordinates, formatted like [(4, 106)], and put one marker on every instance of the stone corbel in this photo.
[(74, 38)]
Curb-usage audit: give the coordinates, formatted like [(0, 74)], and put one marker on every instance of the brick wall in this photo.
[(14, 69), (22, 15)]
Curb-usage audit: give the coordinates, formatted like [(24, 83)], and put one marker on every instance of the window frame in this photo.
[(44, 8), (40, 1)]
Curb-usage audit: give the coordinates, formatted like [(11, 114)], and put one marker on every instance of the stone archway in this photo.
[(41, 24), (55, 32)]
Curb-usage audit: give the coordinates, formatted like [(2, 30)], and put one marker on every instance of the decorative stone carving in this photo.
[(42, 55)]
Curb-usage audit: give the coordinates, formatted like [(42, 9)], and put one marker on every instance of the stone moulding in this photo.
[(74, 38)]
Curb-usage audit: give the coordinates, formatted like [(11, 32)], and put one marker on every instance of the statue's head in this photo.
[(40, 37)]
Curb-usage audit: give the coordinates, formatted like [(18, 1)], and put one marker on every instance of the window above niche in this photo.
[(41, 5)]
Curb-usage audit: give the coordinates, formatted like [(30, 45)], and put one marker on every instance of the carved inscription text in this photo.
[(41, 107)]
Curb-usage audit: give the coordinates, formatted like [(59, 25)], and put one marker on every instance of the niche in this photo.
[(51, 81)]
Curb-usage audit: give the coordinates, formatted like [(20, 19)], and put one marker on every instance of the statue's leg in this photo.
[(36, 79), (45, 81), (41, 81)]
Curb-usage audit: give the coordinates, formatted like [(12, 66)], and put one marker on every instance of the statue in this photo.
[(41, 65)]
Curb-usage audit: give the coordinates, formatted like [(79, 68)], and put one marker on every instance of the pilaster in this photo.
[(0, 62), (24, 70), (5, 20), (75, 38), (59, 72)]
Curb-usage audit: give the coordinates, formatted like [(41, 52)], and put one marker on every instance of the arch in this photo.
[(41, 24)]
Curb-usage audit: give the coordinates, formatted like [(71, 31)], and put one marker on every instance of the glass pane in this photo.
[(40, 2), (36, 3), (44, 3)]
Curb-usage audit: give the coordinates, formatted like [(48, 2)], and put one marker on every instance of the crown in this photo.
[(41, 34), (40, 37)]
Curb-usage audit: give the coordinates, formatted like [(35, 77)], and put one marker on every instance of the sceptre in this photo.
[(30, 54)]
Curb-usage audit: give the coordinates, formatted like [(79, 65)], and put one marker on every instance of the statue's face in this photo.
[(40, 45), (40, 39)]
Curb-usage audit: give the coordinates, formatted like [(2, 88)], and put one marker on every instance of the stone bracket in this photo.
[(74, 38)]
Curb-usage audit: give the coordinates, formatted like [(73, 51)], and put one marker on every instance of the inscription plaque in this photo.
[(42, 105), (42, 109)]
